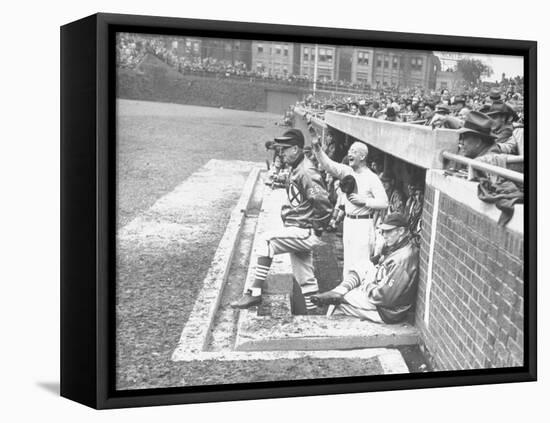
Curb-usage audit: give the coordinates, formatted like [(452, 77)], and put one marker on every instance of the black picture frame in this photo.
[(88, 212)]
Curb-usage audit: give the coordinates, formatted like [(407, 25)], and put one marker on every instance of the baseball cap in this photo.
[(394, 220), (291, 138), (348, 185)]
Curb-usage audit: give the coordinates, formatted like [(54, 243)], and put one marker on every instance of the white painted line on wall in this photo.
[(435, 212)]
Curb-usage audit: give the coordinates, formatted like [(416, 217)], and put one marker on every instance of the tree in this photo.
[(473, 69)]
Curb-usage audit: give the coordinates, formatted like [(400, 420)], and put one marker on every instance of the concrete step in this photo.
[(272, 326)]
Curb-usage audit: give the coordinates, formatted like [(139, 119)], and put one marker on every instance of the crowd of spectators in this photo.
[(132, 48), (418, 105), (498, 109)]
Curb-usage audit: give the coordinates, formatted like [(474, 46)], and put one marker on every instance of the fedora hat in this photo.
[(501, 109), (478, 123)]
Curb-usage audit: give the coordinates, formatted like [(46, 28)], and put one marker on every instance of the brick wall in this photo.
[(476, 296)]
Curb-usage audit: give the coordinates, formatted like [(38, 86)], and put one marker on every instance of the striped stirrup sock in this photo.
[(262, 269), (307, 299)]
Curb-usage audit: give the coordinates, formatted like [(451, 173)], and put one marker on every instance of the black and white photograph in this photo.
[(279, 212), (290, 211)]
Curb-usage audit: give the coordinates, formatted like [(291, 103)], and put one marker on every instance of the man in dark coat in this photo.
[(387, 293), (502, 114)]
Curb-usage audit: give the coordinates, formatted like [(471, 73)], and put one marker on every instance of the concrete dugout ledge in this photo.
[(415, 144), (465, 192)]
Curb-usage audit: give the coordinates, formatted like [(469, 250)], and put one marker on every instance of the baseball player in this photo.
[(305, 215), (365, 196)]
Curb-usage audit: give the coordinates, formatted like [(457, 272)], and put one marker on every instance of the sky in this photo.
[(510, 65)]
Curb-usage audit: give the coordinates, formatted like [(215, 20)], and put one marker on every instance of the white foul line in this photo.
[(435, 212)]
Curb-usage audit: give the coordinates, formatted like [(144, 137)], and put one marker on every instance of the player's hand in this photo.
[(316, 143)]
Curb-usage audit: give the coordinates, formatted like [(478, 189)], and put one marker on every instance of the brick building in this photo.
[(187, 46), (326, 62), (274, 58), (404, 68), (362, 65), (227, 50)]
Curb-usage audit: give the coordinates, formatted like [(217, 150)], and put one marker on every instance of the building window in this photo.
[(322, 55), (260, 48), (378, 62), (362, 58), (416, 63), (395, 62), (285, 50), (330, 54), (306, 53), (386, 62), (196, 47), (277, 49), (237, 45)]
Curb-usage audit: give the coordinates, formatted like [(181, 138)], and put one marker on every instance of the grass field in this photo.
[(159, 146)]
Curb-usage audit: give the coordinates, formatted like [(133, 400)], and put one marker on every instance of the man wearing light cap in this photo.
[(387, 293), (305, 215)]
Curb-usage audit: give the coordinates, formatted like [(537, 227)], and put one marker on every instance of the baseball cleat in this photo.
[(329, 297), (246, 301)]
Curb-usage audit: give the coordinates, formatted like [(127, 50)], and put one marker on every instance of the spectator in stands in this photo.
[(458, 103), (476, 138), (494, 96), (428, 113), (514, 144), (388, 291), (443, 119), (502, 115), (374, 110), (353, 108), (391, 115)]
